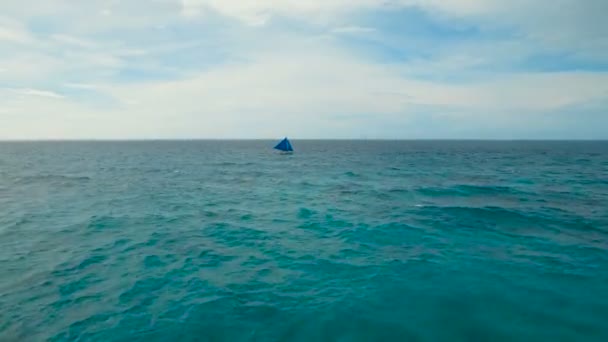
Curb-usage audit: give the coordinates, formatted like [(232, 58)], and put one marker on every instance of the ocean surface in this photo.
[(341, 241)]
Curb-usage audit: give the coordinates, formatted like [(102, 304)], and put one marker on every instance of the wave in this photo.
[(466, 190), (50, 178), (553, 224)]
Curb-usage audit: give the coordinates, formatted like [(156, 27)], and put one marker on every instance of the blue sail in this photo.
[(284, 145)]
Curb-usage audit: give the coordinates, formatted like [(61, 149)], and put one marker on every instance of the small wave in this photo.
[(50, 178), (348, 188), (86, 263), (305, 213), (486, 189), (465, 190), (516, 222), (104, 222), (495, 213), (398, 191), (143, 288), (247, 217), (224, 164), (153, 261), (78, 285)]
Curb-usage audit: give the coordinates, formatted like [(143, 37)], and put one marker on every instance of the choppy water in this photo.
[(342, 241)]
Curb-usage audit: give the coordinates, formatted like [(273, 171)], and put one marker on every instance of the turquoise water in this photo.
[(342, 241)]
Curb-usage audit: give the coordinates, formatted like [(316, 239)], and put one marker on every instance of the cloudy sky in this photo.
[(304, 68)]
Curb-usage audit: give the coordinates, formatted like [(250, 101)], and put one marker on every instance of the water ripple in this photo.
[(220, 241)]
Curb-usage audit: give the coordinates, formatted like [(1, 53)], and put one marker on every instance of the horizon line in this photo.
[(296, 139)]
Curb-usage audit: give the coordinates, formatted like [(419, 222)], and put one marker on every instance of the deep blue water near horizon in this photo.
[(341, 241)]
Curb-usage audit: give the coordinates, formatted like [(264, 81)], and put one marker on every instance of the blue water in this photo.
[(341, 241)]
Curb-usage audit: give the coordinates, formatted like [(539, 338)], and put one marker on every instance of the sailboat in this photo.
[(284, 146)]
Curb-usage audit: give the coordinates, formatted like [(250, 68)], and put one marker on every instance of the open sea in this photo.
[(341, 241)]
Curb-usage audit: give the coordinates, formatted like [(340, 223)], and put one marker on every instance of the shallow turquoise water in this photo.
[(342, 241)]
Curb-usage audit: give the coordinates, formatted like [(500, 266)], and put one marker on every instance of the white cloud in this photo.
[(12, 31), (557, 23), (306, 92), (573, 25), (11, 35), (70, 40), (283, 80), (84, 86), (28, 67), (55, 57), (353, 30), (34, 92)]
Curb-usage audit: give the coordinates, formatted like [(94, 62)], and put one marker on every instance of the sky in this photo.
[(369, 69)]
